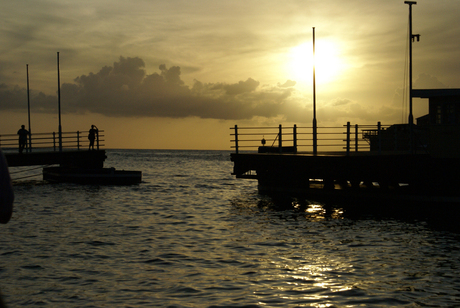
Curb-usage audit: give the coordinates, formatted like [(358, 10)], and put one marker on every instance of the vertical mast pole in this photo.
[(315, 137), (411, 37), (28, 109), (59, 104)]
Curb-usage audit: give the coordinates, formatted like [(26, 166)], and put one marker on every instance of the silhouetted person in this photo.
[(22, 138), (93, 132), (6, 198)]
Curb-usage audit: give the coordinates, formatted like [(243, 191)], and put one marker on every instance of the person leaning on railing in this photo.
[(93, 132)]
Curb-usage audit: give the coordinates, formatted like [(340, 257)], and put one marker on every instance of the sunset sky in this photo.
[(178, 74)]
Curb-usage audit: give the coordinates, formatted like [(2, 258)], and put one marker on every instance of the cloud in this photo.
[(287, 84), (125, 90), (426, 81), (239, 88)]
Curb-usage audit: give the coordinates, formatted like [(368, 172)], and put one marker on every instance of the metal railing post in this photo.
[(280, 139), (379, 129), (294, 137), (54, 141), (78, 140), (356, 137), (30, 142), (97, 140), (348, 138), (236, 139)]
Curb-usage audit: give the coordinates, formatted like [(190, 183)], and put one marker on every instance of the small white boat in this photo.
[(99, 176)]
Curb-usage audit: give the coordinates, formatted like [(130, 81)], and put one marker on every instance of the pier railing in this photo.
[(50, 141), (347, 138)]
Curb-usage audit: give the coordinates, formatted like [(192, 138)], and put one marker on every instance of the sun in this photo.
[(327, 61)]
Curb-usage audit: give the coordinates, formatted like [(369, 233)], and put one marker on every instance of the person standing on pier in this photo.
[(22, 138), (93, 132)]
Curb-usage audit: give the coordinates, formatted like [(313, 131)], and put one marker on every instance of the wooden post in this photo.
[(348, 138), (379, 129), (236, 139)]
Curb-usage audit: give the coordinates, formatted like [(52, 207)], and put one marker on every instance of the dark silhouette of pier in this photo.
[(69, 158), (364, 160), (67, 149)]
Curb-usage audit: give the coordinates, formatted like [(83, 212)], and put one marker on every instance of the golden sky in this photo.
[(178, 74)]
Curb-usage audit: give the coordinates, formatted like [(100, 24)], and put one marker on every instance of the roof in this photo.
[(427, 93)]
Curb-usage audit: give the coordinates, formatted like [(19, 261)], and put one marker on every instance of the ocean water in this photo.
[(191, 235)]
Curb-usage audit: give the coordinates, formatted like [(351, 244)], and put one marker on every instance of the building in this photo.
[(440, 128)]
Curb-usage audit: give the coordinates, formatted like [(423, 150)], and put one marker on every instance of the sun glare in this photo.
[(327, 62)]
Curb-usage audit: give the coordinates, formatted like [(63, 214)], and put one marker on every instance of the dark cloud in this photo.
[(125, 89), (15, 98)]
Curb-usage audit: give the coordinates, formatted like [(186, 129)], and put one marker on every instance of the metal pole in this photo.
[(411, 37), (236, 139), (28, 109), (348, 138), (315, 133), (59, 104), (294, 137), (97, 139), (356, 137), (280, 139)]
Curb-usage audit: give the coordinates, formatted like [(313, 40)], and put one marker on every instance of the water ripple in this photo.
[(193, 236)]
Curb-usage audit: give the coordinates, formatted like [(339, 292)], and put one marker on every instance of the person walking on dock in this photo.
[(93, 132), (22, 138)]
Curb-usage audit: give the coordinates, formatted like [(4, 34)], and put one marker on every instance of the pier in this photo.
[(376, 159), (45, 149)]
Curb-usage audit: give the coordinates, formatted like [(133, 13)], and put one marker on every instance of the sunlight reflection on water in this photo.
[(193, 236)]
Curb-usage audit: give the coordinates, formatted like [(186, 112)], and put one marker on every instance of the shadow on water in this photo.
[(442, 216)]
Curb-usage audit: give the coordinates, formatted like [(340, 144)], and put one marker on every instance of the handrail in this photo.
[(348, 138), (50, 141)]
